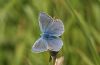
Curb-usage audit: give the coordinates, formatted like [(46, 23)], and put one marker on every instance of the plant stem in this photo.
[(53, 60)]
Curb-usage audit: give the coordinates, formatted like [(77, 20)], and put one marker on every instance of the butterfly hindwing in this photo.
[(40, 46), (54, 44)]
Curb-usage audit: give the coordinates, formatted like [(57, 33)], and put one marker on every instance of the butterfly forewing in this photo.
[(44, 21)]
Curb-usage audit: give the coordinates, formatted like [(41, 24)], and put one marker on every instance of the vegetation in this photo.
[(19, 29)]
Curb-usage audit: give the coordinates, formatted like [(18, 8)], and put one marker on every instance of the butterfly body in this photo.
[(47, 36)]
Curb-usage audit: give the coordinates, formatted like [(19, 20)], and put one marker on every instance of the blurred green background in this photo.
[(19, 29)]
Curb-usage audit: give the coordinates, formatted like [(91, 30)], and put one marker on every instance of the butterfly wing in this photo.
[(54, 44), (44, 21), (40, 46), (56, 28)]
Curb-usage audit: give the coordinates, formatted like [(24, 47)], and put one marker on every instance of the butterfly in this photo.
[(50, 39), (51, 30)]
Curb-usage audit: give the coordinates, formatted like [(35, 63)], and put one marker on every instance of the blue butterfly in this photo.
[(51, 30)]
